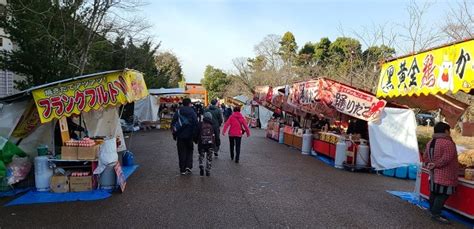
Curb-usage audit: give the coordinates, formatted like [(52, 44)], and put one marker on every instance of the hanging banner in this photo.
[(260, 94), (449, 68), (324, 96), (64, 100), (29, 121)]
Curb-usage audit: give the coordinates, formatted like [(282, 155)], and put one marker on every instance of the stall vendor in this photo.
[(320, 123), (72, 127), (360, 127)]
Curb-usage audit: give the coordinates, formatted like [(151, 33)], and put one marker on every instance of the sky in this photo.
[(213, 32)]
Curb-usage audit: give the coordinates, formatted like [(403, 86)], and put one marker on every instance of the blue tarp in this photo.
[(422, 203), (325, 160), (14, 192), (35, 197)]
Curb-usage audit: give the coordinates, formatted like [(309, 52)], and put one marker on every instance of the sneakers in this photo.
[(183, 173), (188, 171), (440, 219)]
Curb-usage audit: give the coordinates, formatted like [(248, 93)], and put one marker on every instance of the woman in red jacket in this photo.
[(237, 126), (442, 160)]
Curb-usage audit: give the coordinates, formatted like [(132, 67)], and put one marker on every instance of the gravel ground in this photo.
[(274, 186)]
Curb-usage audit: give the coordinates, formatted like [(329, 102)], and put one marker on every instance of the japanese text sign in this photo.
[(89, 94), (440, 70), (323, 96)]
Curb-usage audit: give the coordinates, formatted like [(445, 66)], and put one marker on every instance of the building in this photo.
[(6, 77), (196, 92)]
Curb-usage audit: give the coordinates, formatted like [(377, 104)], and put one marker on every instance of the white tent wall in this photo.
[(146, 109), (43, 135), (10, 114), (104, 123), (393, 141), (264, 115)]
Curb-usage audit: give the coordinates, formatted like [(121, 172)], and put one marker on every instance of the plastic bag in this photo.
[(107, 155), (18, 169), (8, 150)]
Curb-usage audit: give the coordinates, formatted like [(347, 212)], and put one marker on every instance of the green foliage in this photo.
[(344, 49), (46, 43), (215, 81), (375, 54), (288, 48), (321, 51), (169, 71), (306, 54)]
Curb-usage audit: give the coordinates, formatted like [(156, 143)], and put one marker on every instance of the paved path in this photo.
[(273, 187)]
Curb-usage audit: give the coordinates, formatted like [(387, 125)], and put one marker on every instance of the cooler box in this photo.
[(389, 172), (401, 172)]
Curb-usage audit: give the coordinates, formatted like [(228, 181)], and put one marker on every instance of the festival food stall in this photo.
[(337, 113), (73, 127), (422, 80)]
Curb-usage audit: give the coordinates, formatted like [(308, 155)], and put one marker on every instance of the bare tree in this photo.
[(460, 21), (418, 34)]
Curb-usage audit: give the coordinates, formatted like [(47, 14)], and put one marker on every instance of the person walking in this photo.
[(184, 125), (206, 140), (216, 116), (227, 113), (236, 126), (441, 159)]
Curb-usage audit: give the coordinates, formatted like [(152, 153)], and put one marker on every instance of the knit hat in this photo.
[(208, 115)]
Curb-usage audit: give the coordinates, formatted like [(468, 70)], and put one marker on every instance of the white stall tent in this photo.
[(146, 110), (264, 114), (393, 141)]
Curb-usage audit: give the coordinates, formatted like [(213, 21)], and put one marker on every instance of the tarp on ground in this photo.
[(393, 141), (146, 110)]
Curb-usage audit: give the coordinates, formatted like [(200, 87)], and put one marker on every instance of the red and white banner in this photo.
[(324, 96)]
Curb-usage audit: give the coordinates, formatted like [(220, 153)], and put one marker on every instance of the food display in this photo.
[(329, 137), (466, 158), (85, 142)]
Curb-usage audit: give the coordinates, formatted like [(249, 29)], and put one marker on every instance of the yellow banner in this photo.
[(28, 123), (89, 94), (440, 70)]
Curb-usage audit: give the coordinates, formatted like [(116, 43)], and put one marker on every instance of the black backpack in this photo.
[(207, 134)]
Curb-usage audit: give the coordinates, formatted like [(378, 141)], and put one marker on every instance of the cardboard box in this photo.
[(69, 153), (80, 184), (59, 184), (88, 153)]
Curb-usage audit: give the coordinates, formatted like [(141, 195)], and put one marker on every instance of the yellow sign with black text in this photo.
[(64, 100), (449, 68)]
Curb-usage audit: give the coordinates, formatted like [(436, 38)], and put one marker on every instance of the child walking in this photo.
[(206, 140)]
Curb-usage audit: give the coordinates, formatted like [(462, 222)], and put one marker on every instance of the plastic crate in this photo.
[(412, 170), (402, 172), (389, 172)]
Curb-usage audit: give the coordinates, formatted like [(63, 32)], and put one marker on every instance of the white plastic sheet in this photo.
[(146, 109), (10, 114), (107, 155), (393, 141)]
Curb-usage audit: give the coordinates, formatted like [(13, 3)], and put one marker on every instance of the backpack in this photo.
[(180, 123), (207, 134)]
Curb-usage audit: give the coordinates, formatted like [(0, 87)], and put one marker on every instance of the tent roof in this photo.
[(27, 93), (164, 91)]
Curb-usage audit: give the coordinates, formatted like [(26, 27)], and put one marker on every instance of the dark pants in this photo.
[(185, 153), (235, 141), (437, 202)]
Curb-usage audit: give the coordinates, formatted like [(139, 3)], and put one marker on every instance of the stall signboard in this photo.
[(261, 93), (440, 70), (323, 96), (64, 100)]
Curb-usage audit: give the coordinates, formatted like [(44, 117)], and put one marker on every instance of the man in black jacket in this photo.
[(184, 135)]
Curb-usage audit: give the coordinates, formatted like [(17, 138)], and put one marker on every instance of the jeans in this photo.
[(185, 153), (437, 202), (235, 141)]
